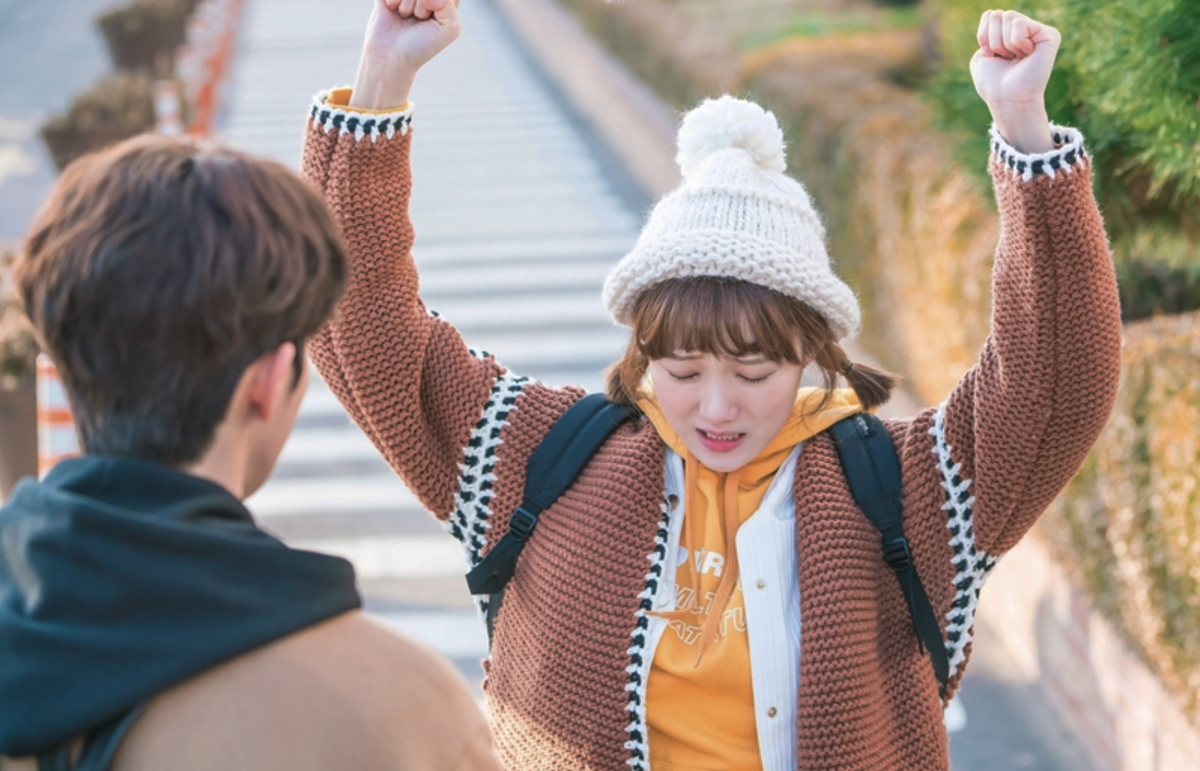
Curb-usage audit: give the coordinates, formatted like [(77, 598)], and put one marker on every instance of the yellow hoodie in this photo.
[(699, 698)]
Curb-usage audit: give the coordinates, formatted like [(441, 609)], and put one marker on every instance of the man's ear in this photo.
[(269, 381)]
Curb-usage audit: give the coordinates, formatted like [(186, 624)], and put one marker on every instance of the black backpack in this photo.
[(868, 458)]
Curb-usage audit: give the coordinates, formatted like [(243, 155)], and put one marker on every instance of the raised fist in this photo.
[(1011, 69), (402, 36), (1014, 60)]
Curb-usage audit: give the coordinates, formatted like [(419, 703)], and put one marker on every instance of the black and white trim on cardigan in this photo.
[(330, 117), (1066, 155), (971, 566), (472, 503), (639, 660)]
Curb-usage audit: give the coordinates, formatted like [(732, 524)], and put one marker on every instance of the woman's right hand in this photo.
[(402, 35)]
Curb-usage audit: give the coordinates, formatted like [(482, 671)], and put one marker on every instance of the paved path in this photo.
[(519, 211)]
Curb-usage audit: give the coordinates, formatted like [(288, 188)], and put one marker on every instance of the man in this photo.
[(145, 621)]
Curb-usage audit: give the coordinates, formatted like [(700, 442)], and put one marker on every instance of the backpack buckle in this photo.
[(521, 524), (897, 554)]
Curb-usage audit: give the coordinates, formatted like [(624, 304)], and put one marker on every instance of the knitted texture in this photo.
[(566, 683), (737, 215)]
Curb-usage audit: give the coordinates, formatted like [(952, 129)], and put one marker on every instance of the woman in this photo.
[(707, 595)]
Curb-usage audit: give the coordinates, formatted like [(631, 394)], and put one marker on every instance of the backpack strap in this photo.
[(553, 466), (873, 471)]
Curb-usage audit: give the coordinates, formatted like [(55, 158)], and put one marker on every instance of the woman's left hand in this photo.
[(1011, 69)]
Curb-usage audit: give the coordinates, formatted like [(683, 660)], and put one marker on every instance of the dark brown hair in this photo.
[(731, 318), (158, 270)]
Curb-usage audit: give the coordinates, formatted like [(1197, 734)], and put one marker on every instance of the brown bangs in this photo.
[(726, 318), (731, 318)]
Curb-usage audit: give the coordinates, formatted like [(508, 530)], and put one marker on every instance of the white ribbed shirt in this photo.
[(766, 549)]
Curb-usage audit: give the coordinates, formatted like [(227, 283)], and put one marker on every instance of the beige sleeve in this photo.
[(346, 694), (479, 755)]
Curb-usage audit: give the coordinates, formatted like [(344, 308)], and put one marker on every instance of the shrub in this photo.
[(116, 108), (144, 34), (18, 345), (1128, 76), (1151, 288), (1130, 521)]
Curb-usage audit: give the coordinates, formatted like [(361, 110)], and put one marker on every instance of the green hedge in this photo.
[(1128, 76)]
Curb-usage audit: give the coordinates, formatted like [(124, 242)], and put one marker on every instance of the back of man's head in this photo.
[(158, 270)]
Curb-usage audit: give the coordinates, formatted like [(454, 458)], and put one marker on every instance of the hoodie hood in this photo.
[(120, 578)]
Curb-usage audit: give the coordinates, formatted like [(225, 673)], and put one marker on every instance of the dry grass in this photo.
[(1130, 522)]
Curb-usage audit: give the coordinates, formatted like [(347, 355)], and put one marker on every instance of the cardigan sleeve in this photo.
[(1020, 423), (982, 467), (434, 408)]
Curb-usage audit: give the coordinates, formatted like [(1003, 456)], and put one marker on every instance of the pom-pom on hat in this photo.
[(734, 215)]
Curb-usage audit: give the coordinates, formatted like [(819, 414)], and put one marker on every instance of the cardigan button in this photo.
[(772, 712)]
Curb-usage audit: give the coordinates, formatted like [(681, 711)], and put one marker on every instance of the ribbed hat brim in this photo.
[(734, 255)]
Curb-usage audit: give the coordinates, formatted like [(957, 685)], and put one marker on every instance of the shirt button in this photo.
[(761, 584), (772, 712), (672, 502)]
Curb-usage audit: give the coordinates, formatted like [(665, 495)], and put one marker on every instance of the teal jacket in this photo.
[(120, 578)]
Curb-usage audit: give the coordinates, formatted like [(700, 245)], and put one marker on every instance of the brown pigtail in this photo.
[(873, 386), (624, 378)]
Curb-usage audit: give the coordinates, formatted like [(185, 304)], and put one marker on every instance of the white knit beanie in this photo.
[(735, 215)]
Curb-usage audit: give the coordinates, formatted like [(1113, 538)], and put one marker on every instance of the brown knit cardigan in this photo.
[(566, 679)]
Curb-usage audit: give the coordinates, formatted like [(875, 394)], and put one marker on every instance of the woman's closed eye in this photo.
[(683, 376)]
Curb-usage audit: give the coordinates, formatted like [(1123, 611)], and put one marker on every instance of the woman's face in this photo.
[(726, 410)]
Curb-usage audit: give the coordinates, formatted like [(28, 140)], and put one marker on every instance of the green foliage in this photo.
[(18, 345), (1138, 70), (1128, 76), (1152, 281), (815, 23)]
